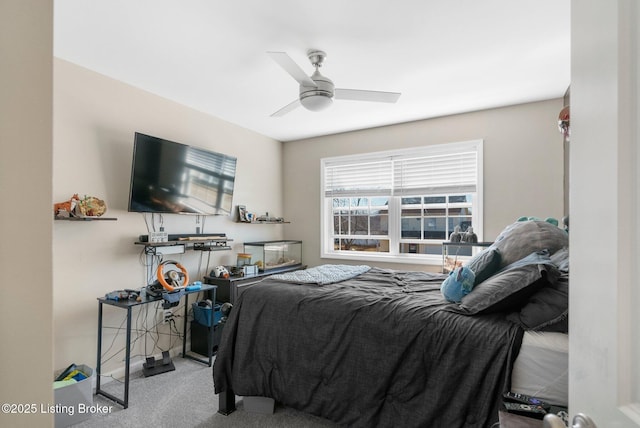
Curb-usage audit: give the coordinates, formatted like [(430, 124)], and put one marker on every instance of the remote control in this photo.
[(526, 399), (526, 410)]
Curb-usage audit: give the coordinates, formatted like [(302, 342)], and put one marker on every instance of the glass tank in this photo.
[(271, 255)]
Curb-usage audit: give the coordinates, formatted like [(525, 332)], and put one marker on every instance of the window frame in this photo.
[(395, 205)]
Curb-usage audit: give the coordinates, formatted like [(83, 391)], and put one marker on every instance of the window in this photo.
[(400, 205)]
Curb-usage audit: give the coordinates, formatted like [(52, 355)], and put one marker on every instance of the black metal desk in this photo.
[(129, 305)]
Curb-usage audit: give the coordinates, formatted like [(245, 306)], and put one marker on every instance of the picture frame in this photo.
[(242, 214)]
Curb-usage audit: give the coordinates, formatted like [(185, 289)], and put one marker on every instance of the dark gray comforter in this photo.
[(380, 350)]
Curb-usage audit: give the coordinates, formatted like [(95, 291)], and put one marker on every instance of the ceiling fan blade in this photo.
[(286, 109), (292, 68), (360, 95)]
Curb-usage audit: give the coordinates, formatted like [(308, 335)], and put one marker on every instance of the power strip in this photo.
[(158, 237)]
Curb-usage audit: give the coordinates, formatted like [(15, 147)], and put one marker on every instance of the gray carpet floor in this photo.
[(185, 398)]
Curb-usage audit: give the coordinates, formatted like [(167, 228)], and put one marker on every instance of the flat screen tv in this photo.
[(169, 177)]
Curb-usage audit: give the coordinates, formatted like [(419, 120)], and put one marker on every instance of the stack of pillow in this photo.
[(524, 273)]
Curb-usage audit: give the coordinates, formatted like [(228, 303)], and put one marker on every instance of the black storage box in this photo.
[(200, 337)]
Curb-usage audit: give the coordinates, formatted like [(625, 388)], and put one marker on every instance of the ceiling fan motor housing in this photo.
[(317, 98), (316, 91)]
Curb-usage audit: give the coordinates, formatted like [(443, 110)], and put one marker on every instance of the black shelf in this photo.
[(211, 244), (85, 218), (264, 222)]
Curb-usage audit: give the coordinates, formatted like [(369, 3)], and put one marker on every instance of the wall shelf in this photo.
[(265, 222), (84, 218), (210, 244)]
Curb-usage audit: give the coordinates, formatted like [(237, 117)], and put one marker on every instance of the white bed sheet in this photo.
[(542, 367)]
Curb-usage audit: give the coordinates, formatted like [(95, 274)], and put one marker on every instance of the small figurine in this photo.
[(469, 236), (455, 236)]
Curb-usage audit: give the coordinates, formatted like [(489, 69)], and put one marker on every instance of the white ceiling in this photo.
[(445, 56)]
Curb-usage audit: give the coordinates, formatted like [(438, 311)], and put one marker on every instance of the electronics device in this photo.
[(154, 290), (187, 237), (161, 236), (171, 299), (153, 367), (118, 295), (525, 410), (172, 280), (170, 177), (197, 285), (220, 272), (526, 399)]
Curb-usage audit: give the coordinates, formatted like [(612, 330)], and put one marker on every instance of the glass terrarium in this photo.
[(270, 255)]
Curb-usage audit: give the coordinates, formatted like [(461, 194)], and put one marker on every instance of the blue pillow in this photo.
[(461, 280), (458, 284)]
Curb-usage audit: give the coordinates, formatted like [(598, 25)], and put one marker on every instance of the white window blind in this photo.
[(371, 177), (412, 173), (436, 174)]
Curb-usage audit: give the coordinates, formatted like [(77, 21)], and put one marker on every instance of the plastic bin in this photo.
[(202, 314), (73, 401)]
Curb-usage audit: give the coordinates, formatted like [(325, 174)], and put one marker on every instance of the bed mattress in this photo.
[(542, 367)]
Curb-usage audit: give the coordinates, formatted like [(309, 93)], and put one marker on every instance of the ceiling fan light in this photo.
[(316, 102)]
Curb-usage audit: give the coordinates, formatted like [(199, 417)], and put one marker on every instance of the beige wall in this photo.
[(94, 124), (26, 35), (523, 166)]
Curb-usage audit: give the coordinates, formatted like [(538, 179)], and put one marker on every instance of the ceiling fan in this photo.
[(317, 91)]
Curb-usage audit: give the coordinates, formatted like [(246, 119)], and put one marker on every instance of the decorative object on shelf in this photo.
[(89, 206), (243, 259), (266, 218), (243, 215), (64, 209), (564, 123), (455, 236), (469, 236)]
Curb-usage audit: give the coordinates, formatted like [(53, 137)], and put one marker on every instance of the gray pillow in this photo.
[(547, 309), (524, 237), (561, 260), (484, 264), (511, 288)]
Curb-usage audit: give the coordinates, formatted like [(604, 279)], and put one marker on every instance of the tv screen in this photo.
[(169, 177)]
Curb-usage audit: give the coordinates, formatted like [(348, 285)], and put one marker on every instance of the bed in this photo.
[(385, 348)]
